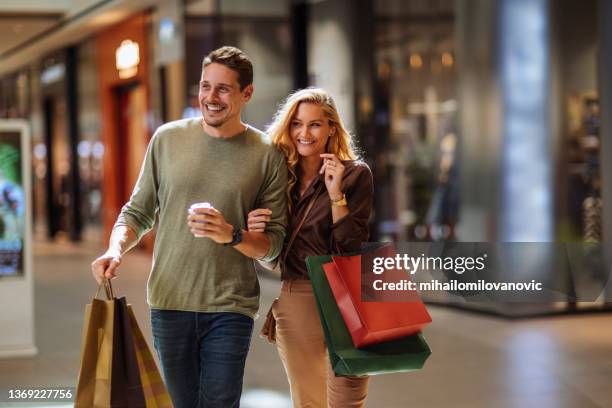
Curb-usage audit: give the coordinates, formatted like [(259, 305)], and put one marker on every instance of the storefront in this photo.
[(416, 120), (483, 122), (123, 87), (440, 114)]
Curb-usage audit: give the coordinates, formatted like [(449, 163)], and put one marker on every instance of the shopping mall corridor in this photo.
[(477, 360)]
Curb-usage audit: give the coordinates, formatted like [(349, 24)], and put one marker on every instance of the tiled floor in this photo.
[(477, 361)]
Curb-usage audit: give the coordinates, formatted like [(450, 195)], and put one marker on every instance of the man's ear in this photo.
[(247, 92)]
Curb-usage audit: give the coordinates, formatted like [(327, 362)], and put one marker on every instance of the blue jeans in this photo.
[(202, 356)]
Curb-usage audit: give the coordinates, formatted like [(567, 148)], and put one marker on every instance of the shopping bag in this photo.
[(155, 392), (126, 386), (371, 322), (109, 375), (94, 381), (400, 355), (113, 370)]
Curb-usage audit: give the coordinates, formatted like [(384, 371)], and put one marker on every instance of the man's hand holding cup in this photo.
[(205, 221)]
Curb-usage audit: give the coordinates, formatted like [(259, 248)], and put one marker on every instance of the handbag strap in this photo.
[(299, 226)]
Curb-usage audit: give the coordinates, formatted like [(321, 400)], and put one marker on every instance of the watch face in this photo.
[(340, 203)]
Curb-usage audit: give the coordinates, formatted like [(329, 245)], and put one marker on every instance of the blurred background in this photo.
[(482, 120)]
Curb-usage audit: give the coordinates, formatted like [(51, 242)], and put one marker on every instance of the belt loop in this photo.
[(290, 285)]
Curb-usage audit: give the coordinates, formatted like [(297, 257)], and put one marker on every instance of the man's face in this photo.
[(221, 99)]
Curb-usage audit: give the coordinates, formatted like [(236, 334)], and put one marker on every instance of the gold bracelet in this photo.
[(341, 202)]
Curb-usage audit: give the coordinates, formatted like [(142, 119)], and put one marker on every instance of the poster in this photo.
[(12, 204)]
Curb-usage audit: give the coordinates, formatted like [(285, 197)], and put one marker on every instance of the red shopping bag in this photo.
[(371, 322)]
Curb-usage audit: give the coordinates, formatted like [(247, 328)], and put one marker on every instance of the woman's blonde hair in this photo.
[(340, 143)]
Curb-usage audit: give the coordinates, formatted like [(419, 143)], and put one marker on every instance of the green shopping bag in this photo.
[(405, 354)]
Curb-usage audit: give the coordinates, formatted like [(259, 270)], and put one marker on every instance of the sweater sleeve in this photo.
[(351, 231), (140, 212), (273, 195)]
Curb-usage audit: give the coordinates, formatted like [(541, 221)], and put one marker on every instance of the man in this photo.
[(203, 289)]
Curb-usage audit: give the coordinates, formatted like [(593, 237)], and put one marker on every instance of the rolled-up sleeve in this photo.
[(140, 212), (273, 195), (348, 233)]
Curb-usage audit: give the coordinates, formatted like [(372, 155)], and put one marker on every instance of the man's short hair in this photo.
[(234, 59)]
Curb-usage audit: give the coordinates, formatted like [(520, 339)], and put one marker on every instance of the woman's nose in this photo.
[(304, 132)]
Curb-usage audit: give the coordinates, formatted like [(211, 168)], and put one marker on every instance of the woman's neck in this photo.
[(309, 167)]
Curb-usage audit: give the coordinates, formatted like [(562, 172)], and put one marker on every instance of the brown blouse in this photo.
[(318, 235)]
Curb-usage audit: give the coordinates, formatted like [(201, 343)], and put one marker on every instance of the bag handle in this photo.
[(299, 226), (108, 289)]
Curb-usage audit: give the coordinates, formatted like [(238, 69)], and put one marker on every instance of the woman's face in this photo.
[(310, 129)]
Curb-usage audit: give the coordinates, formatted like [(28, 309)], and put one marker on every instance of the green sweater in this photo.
[(183, 165)]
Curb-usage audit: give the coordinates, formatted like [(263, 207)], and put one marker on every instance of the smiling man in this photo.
[(203, 289)]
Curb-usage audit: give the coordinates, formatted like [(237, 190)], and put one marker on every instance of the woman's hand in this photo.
[(334, 170), (258, 219)]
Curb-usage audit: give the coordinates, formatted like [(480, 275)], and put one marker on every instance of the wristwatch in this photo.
[(236, 237), (341, 202)]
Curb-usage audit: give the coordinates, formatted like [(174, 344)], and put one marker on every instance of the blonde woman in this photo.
[(330, 200)]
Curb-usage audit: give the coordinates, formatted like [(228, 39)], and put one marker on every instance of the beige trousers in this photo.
[(301, 346)]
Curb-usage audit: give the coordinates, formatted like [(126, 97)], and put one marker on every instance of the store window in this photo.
[(15, 95), (580, 209), (90, 148), (415, 115)]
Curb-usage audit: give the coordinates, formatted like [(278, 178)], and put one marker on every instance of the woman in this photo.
[(330, 201)]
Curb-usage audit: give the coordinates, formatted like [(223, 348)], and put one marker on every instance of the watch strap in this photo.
[(236, 237)]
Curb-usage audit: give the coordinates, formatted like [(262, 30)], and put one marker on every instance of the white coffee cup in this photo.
[(204, 204), (195, 206)]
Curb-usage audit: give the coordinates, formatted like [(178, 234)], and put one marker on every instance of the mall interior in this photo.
[(481, 120)]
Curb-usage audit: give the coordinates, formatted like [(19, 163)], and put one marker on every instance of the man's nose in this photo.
[(213, 95)]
